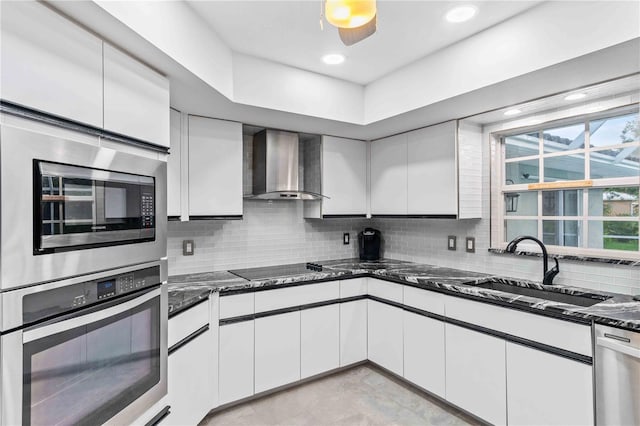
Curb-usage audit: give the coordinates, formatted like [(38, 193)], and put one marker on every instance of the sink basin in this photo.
[(571, 299)]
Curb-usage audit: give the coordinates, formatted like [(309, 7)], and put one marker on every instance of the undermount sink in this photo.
[(571, 299)]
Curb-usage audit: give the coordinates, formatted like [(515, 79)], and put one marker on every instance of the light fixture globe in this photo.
[(349, 13)]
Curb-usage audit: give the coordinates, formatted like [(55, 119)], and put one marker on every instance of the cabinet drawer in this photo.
[(549, 331), (236, 305), (295, 296), (354, 287), (187, 322), (385, 290), (425, 300)]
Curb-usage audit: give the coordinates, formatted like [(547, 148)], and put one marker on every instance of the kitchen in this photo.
[(200, 189)]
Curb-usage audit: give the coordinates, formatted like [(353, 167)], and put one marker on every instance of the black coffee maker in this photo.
[(369, 244)]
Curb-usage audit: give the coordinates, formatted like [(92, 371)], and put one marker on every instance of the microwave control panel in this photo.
[(147, 210), (59, 300)]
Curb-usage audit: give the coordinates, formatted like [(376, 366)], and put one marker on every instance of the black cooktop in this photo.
[(271, 272)]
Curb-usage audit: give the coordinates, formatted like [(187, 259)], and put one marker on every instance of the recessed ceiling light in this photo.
[(333, 59), (461, 13), (575, 96), (514, 111)]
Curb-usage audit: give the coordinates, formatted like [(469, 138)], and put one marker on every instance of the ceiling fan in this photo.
[(355, 19)]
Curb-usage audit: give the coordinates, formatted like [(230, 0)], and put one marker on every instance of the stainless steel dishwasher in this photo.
[(617, 361)]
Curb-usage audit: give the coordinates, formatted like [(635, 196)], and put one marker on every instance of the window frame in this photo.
[(499, 187)]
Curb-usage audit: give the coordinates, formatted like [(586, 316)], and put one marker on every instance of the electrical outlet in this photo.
[(188, 247), (471, 245), (346, 238), (451, 242)]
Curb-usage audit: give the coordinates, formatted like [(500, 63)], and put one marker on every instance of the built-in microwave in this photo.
[(78, 207)]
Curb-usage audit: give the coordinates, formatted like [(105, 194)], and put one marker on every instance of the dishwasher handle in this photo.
[(618, 347)]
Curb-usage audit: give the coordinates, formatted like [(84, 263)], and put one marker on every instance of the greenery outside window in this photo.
[(575, 185)]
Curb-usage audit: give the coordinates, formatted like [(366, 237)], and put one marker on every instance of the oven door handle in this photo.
[(97, 313)]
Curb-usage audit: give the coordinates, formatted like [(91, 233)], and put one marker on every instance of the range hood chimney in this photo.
[(276, 163)]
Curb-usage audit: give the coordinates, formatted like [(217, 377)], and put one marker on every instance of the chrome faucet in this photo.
[(548, 275)]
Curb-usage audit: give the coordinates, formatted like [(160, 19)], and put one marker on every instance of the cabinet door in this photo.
[(353, 332), (475, 373), (431, 174), (277, 340), (344, 176), (389, 175), (424, 352), (235, 371), (50, 64), (546, 389), (320, 340), (215, 167), (191, 381), (174, 168), (385, 336), (136, 98)]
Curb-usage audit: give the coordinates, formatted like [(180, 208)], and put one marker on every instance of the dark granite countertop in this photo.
[(618, 311)]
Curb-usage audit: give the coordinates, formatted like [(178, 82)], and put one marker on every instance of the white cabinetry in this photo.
[(235, 371), (215, 167), (546, 389), (344, 179), (424, 352), (320, 340), (174, 166), (389, 175), (475, 373), (431, 171), (353, 332), (385, 336), (50, 64), (136, 98), (277, 351), (190, 384)]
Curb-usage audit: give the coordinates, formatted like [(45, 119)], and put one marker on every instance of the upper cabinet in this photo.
[(431, 172), (174, 166), (136, 99), (50, 64), (343, 179), (215, 168)]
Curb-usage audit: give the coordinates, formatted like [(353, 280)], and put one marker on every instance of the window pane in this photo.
[(620, 162), (614, 130), (621, 201), (522, 145), (521, 203), (565, 167), (613, 235), (563, 138), (562, 203), (515, 228), (561, 232), (527, 171)]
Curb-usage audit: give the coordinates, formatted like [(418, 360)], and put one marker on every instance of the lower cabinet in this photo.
[(475, 373), (385, 336), (190, 381), (546, 389), (277, 350), (424, 352), (353, 332), (319, 340), (235, 371)]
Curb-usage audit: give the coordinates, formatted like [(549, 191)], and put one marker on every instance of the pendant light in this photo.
[(349, 13)]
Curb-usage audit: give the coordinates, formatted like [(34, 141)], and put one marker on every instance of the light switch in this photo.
[(346, 238), (451, 242), (471, 245), (188, 247)]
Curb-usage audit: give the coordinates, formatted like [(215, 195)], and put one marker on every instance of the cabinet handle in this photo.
[(618, 347)]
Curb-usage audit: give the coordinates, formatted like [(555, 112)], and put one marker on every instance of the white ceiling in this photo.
[(288, 32)]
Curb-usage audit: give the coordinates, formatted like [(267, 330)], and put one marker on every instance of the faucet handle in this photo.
[(551, 273)]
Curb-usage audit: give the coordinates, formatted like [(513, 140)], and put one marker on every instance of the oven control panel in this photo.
[(56, 301)]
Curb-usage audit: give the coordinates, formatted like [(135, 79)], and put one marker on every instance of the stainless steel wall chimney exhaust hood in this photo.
[(276, 167)]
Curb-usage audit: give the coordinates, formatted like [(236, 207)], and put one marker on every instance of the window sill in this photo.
[(610, 261)]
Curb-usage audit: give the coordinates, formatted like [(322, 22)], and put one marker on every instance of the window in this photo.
[(575, 185)]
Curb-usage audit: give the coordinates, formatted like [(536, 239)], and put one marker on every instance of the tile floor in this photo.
[(362, 395)]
